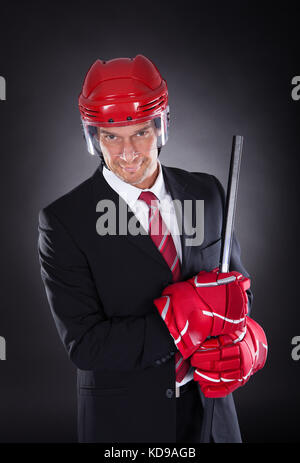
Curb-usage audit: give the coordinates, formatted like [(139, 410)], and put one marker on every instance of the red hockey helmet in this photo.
[(123, 91)]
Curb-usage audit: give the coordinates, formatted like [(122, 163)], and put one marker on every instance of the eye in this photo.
[(142, 133), (110, 137)]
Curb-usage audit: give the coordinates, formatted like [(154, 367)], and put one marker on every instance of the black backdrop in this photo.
[(229, 68)]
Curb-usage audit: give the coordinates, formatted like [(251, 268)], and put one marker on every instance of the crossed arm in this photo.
[(92, 340)]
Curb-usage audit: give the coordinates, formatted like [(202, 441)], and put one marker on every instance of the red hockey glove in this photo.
[(208, 304), (225, 363)]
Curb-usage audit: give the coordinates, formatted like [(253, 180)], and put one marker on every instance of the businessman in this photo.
[(122, 253)]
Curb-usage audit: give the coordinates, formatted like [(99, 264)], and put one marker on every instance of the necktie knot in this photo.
[(149, 198)]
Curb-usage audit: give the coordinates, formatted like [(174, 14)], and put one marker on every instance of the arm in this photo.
[(92, 340), (225, 363), (209, 304)]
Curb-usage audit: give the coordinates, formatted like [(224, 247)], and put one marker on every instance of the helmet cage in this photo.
[(90, 132)]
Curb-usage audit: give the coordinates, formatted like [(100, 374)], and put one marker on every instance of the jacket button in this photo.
[(158, 362), (169, 393)]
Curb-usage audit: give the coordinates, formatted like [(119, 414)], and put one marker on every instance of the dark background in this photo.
[(229, 68)]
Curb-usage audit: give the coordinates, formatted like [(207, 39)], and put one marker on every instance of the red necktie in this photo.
[(163, 240)]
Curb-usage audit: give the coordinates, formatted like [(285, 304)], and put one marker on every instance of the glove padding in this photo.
[(209, 304), (225, 363)]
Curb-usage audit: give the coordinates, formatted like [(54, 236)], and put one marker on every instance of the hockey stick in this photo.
[(228, 226)]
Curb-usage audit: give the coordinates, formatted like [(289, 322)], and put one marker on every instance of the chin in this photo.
[(128, 177), (134, 177), (137, 175), (133, 180)]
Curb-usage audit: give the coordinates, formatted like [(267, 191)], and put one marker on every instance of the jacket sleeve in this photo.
[(92, 341), (235, 257)]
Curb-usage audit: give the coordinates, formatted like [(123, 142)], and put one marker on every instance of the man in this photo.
[(133, 299)]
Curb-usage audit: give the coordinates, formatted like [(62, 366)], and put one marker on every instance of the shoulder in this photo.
[(196, 180), (73, 200)]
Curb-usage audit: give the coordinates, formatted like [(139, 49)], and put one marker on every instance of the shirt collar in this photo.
[(130, 193)]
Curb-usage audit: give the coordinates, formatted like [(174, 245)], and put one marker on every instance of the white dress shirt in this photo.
[(130, 194)]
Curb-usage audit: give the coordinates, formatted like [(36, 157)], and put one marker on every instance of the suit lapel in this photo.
[(177, 187), (101, 191)]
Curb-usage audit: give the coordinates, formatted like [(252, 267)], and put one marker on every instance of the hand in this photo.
[(225, 363), (209, 304)]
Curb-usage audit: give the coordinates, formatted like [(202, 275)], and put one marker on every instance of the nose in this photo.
[(129, 157), (129, 153)]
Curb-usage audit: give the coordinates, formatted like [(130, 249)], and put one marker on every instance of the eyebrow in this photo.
[(111, 133)]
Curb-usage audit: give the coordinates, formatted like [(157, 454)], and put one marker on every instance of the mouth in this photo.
[(131, 168)]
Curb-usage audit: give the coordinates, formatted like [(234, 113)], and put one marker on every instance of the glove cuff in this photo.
[(260, 343)]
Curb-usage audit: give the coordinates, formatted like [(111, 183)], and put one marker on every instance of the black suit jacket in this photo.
[(101, 289)]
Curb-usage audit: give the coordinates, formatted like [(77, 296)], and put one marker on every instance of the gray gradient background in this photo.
[(229, 71)]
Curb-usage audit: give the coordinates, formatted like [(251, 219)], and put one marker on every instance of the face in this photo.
[(131, 152)]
